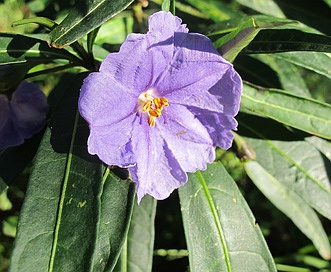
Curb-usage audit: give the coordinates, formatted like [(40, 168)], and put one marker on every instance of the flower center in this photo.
[(152, 105)]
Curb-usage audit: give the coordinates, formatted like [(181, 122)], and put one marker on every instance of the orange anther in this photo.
[(152, 106)]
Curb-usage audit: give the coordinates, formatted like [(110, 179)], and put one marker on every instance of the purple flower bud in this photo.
[(161, 105), (23, 115)]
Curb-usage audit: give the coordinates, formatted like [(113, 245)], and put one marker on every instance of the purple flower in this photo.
[(161, 105), (23, 115)]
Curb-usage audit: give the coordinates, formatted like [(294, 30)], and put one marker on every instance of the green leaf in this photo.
[(233, 43), (304, 169), (302, 113), (37, 20), (141, 236), (83, 18), (137, 254), (291, 204), (269, 7), (220, 230), (76, 213), (321, 145), (215, 10), (276, 40), (115, 208), (91, 39), (165, 5), (315, 14), (315, 61), (115, 30), (288, 74), (21, 49)]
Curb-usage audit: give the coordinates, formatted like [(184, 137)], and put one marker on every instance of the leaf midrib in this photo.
[(287, 109), (63, 194), (273, 146), (85, 16), (216, 219)]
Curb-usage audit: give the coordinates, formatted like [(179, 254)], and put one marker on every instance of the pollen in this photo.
[(152, 105)]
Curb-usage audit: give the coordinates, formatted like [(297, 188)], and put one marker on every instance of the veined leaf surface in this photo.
[(85, 16), (220, 230)]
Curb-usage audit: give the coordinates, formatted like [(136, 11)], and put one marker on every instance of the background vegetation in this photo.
[(281, 159)]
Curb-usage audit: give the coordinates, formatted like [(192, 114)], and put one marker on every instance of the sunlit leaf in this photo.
[(85, 16), (220, 230), (322, 145), (315, 61), (302, 113), (233, 43), (274, 41), (137, 254), (76, 213), (215, 10), (269, 7), (315, 14), (291, 204), (288, 74), (304, 169), (16, 48), (36, 20)]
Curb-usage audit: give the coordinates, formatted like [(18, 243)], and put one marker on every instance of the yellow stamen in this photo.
[(152, 106), (151, 121), (147, 106)]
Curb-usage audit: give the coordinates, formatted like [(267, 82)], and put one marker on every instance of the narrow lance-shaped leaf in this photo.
[(84, 17), (315, 14), (36, 20), (233, 43), (265, 7), (115, 207), (291, 204), (215, 10), (168, 5), (75, 214), (16, 48), (317, 62), (305, 170), (137, 254), (284, 40), (288, 74), (220, 230), (321, 145), (302, 113)]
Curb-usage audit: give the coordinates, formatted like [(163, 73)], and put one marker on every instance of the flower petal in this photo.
[(195, 70), (166, 24), (132, 66), (228, 91), (8, 133), (219, 126), (104, 101), (29, 108), (156, 172), (139, 61), (187, 138), (112, 143)]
